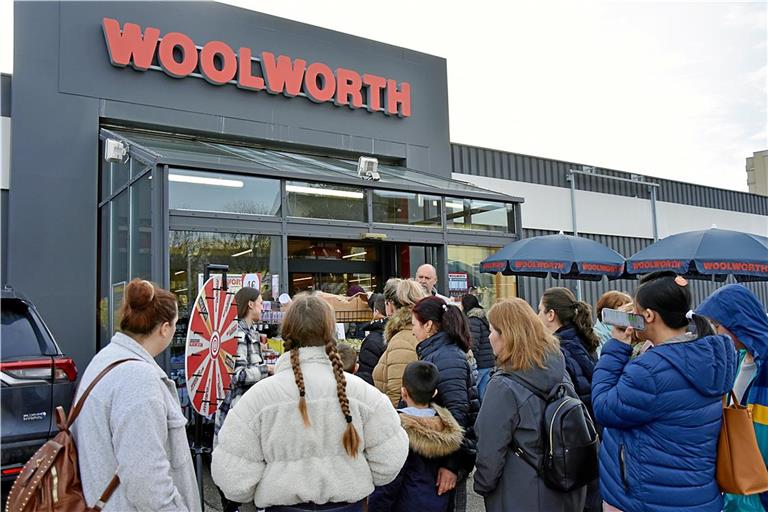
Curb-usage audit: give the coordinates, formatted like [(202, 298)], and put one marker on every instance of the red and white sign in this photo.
[(211, 346), (218, 64)]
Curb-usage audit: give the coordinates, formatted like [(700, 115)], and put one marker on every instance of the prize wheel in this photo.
[(211, 347)]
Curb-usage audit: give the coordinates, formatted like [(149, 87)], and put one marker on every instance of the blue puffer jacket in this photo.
[(578, 361), (662, 415), (456, 391)]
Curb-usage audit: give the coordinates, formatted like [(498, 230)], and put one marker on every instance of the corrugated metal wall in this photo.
[(531, 289), (544, 171)]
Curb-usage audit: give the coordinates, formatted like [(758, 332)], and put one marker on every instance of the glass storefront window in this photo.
[(190, 251), (394, 207), (477, 214), (219, 192), (489, 288), (332, 282), (309, 249), (326, 201)]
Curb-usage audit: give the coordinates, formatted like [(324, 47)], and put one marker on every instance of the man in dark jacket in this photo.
[(480, 331), (373, 345)]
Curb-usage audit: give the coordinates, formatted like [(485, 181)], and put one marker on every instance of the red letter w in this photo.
[(283, 76), (129, 46)]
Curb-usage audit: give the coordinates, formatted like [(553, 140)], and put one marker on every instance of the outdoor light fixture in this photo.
[(368, 168), (329, 192), (242, 253), (115, 151), (200, 180)]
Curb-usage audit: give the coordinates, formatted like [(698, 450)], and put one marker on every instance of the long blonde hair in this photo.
[(310, 322), (525, 341)]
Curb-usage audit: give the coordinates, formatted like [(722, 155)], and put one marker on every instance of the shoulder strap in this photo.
[(75, 412), (527, 386)]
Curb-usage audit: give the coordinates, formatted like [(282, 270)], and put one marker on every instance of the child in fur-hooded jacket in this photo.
[(433, 433)]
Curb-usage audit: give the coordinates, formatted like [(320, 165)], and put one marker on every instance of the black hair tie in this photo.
[(301, 393), (348, 418)]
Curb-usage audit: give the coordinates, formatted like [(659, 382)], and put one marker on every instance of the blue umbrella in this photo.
[(562, 256), (706, 254)]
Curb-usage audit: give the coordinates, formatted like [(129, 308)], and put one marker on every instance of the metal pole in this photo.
[(653, 214), (197, 446), (572, 179)]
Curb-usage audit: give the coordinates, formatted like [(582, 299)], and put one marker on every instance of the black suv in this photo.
[(36, 378)]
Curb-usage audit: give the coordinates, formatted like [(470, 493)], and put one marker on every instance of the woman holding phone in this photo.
[(662, 411)]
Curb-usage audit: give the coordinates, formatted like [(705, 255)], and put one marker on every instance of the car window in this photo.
[(19, 336)]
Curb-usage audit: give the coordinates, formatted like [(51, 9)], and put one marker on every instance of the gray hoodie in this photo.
[(132, 425)]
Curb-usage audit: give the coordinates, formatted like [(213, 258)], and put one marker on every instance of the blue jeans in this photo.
[(327, 507), (483, 376)]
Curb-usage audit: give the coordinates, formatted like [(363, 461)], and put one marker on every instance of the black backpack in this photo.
[(570, 440)]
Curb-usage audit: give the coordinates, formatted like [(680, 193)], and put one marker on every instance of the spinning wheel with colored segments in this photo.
[(211, 346)]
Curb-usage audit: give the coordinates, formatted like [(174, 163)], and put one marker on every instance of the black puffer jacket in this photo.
[(456, 391), (371, 349), (578, 361), (480, 331)]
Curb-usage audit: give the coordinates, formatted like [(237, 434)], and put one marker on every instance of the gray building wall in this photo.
[(544, 171), (65, 87)]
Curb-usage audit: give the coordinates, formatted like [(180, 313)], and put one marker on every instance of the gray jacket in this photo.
[(511, 417), (132, 425)]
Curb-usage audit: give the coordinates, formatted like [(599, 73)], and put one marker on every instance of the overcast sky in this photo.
[(670, 89)]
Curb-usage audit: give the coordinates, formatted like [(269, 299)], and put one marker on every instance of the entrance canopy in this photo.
[(185, 151)]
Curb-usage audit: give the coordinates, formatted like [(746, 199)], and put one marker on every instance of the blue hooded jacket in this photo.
[(737, 309), (662, 414)]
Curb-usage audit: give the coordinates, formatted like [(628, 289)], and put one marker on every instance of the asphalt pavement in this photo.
[(213, 503)]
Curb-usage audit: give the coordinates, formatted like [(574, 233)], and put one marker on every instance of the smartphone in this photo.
[(622, 319)]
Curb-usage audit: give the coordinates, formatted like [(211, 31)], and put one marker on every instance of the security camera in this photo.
[(115, 151), (367, 168)]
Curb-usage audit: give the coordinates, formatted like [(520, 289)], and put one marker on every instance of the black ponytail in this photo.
[(703, 326), (668, 295), (448, 319)]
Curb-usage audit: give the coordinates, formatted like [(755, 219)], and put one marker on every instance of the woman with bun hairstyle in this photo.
[(444, 341), (311, 437), (662, 412), (131, 425), (400, 295)]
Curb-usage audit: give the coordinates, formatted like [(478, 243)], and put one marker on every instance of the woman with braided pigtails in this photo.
[(312, 437)]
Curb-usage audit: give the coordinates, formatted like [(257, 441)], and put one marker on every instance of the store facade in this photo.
[(242, 134)]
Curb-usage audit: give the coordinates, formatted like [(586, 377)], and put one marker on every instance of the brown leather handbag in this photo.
[(50, 480), (740, 466)]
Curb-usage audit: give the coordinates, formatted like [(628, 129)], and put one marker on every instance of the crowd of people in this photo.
[(439, 390)]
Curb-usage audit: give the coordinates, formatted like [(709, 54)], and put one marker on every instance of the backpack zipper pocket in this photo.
[(623, 468)]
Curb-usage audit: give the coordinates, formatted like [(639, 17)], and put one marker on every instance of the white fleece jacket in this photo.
[(266, 454)]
